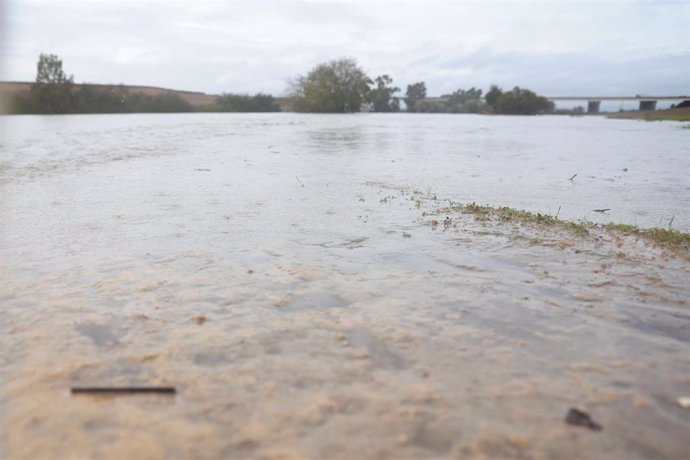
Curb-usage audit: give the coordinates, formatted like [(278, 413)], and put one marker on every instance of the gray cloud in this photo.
[(553, 47), (560, 74)]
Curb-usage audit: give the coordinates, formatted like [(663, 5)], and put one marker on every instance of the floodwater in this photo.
[(286, 275)]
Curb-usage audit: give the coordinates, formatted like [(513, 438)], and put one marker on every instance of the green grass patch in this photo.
[(661, 236), (507, 214), (668, 238), (669, 117), (657, 115)]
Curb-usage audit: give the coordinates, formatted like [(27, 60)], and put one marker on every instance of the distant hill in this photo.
[(9, 89)]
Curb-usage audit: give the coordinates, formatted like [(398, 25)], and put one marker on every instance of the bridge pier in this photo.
[(593, 106), (647, 105), (647, 102)]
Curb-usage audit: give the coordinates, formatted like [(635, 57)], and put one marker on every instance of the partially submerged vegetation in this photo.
[(671, 239), (507, 214), (667, 238), (664, 237)]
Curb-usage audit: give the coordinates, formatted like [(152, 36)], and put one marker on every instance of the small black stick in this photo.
[(123, 390)]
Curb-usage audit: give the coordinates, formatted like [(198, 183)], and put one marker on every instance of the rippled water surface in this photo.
[(299, 281), (637, 169)]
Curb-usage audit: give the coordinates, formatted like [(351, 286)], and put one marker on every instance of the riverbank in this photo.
[(682, 114)]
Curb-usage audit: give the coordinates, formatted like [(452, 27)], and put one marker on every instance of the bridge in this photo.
[(594, 102)]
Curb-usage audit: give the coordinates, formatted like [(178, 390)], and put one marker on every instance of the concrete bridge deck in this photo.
[(594, 102)]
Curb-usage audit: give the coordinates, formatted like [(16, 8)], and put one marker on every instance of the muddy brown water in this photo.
[(283, 273)]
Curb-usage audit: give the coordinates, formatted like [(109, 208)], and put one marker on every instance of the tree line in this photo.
[(54, 92), (338, 86), (341, 86)]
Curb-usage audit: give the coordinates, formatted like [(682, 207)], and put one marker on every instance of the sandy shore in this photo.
[(451, 339)]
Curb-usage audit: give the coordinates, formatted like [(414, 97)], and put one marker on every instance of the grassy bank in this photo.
[(655, 115)]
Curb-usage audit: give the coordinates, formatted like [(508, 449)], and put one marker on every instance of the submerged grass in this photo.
[(669, 238), (660, 236), (505, 213), (666, 238)]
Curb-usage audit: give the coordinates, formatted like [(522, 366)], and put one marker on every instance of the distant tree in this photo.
[(49, 71), (414, 94), (339, 86), (382, 95), (521, 101), (464, 101), (165, 103), (430, 107), (55, 92), (95, 99), (22, 104), (579, 110), (493, 95), (118, 99), (244, 103), (264, 103), (52, 91), (232, 102)]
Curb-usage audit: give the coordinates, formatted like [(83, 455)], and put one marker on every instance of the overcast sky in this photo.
[(557, 48)]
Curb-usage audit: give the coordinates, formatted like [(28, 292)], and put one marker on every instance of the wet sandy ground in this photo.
[(470, 340), (324, 317)]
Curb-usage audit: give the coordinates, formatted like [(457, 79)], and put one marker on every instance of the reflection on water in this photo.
[(278, 272), (337, 140)]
